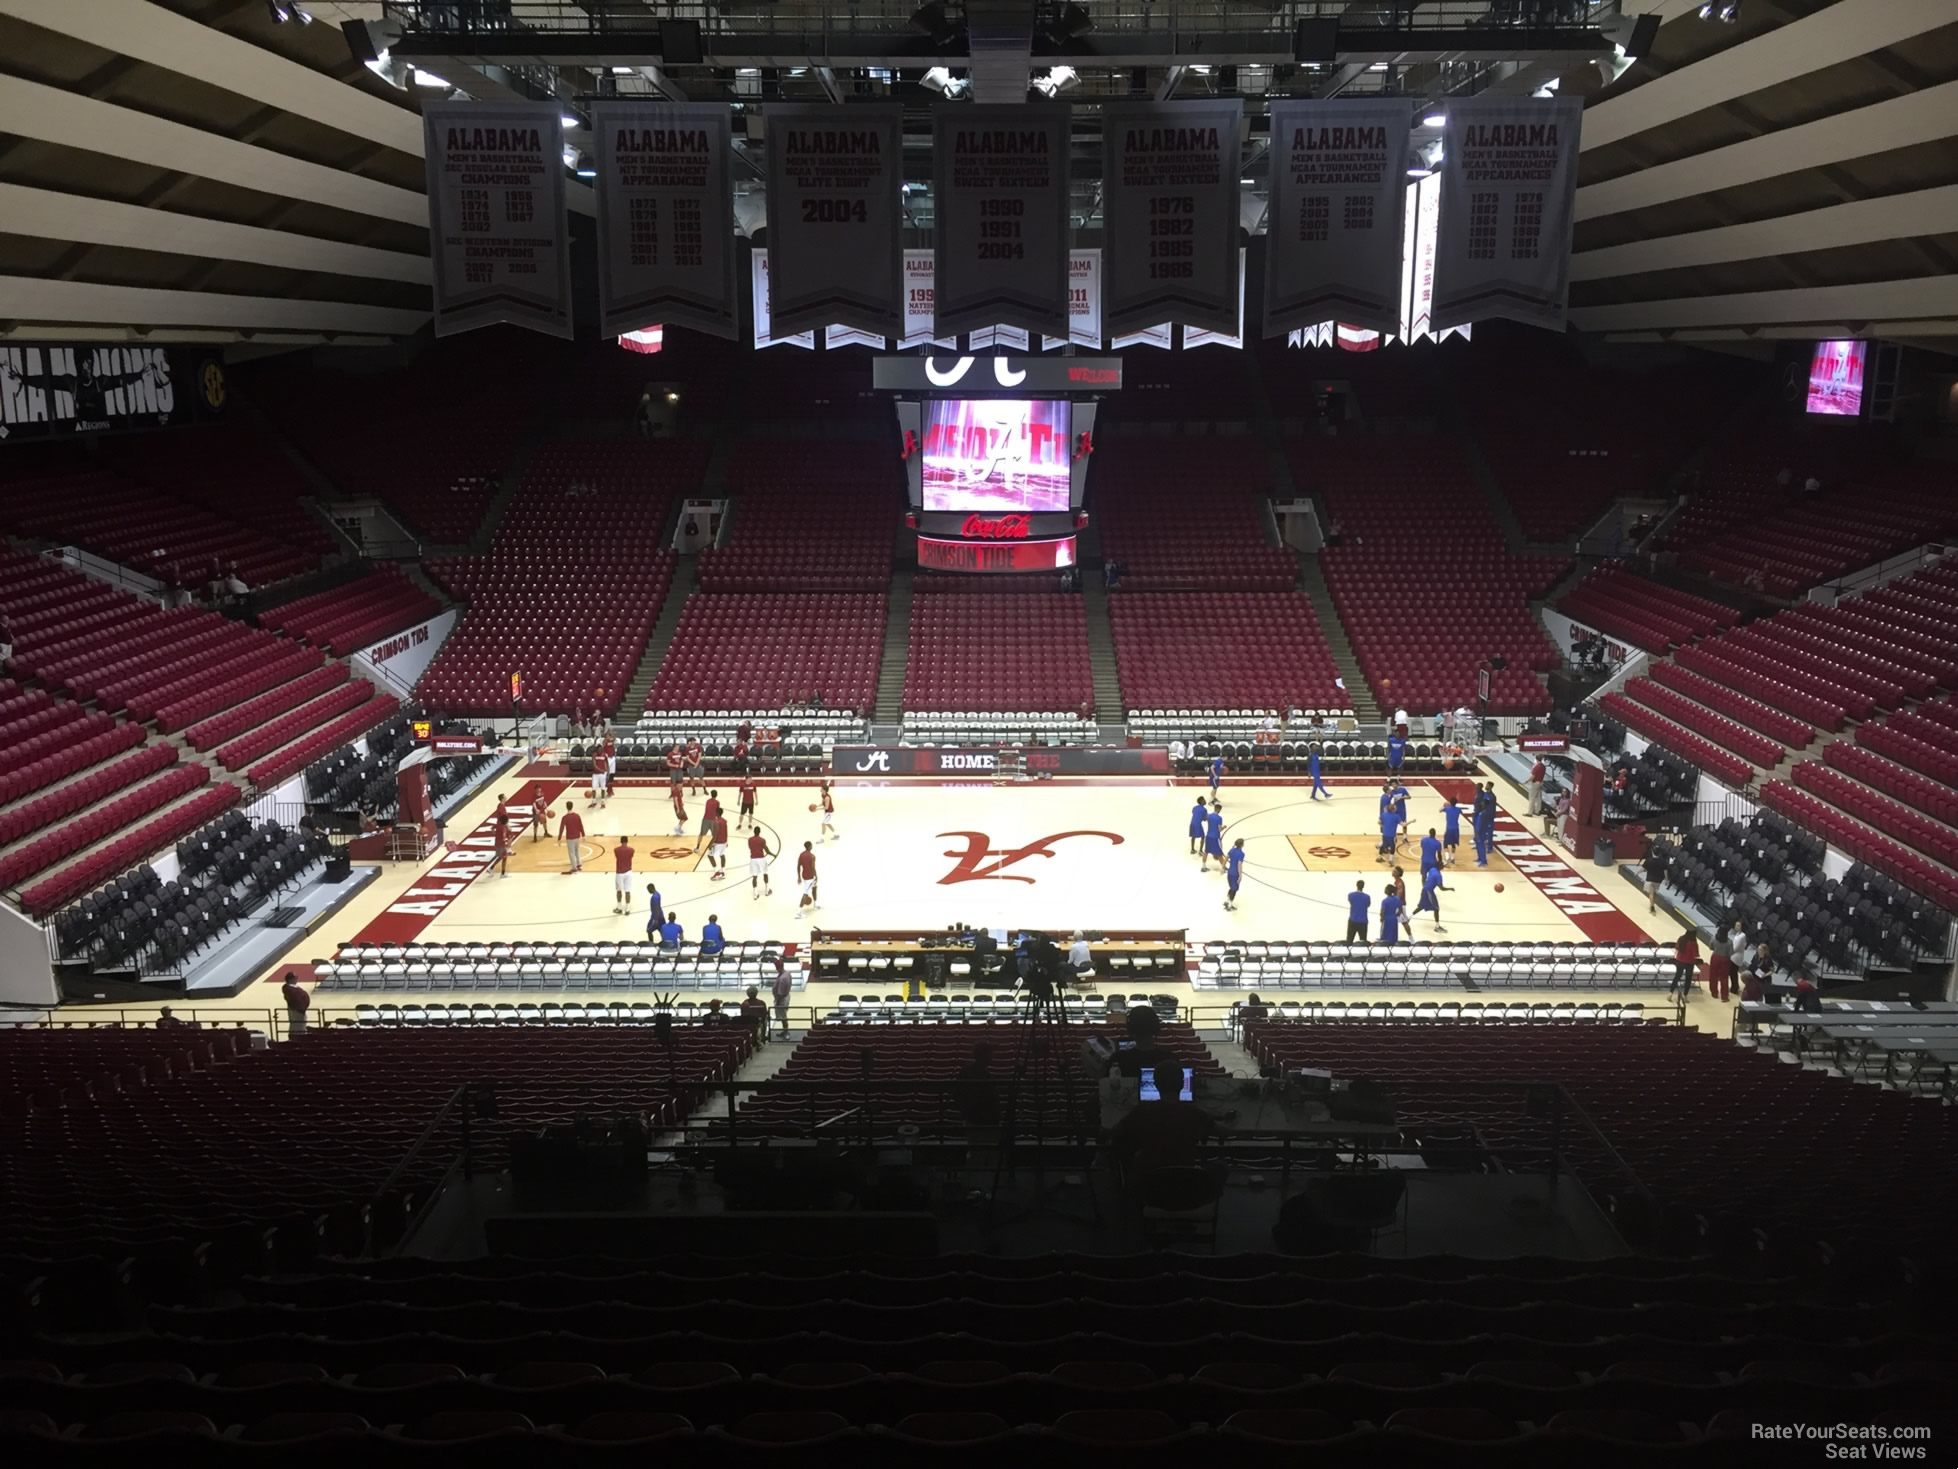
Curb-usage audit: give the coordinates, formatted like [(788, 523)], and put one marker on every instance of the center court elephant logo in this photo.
[(979, 849)]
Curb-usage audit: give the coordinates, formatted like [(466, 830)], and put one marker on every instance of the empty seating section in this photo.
[(35, 765), (572, 585), (177, 543), (1223, 650), (347, 618), (1749, 522), (1318, 964), (285, 728), (1424, 585), (1644, 613), (795, 386), (933, 1053), (1187, 513), (235, 470), (1715, 661), (99, 784), (202, 1145), (1853, 836), (1908, 823), (1201, 387), (1683, 743), (816, 515), (1721, 1156), (216, 712), (1751, 713), (1936, 797), (57, 880), (1717, 727), (989, 654), (760, 650), (1914, 741), (369, 710)]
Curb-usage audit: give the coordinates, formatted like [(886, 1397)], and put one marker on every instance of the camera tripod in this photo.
[(1043, 1061)]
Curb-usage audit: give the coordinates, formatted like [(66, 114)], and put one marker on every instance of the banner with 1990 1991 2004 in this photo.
[(1170, 210), (1001, 201), (835, 177), (496, 225)]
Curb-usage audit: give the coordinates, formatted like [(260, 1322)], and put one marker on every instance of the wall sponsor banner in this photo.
[(496, 216), (1509, 179), (983, 760), (1338, 190), (1083, 302), (1169, 173), (920, 291), (759, 282), (665, 196), (834, 216), (48, 391), (1197, 337), (396, 662), (1001, 191), (996, 555)]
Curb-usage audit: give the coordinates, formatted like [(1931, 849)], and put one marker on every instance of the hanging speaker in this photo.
[(1645, 30), (679, 42), (1316, 40)]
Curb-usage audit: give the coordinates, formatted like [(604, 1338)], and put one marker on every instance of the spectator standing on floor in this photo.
[(1719, 964), (781, 991), (1535, 787), (571, 828), (298, 1002), (1685, 959)]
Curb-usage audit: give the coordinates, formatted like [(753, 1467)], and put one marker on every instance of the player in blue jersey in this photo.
[(1431, 884), (1485, 831), (1199, 819), (1234, 873), (1451, 831), (1213, 835), (1390, 826), (1216, 775), (1391, 908), (1312, 768), (1397, 807), (1396, 751), (1430, 850), (1357, 904)]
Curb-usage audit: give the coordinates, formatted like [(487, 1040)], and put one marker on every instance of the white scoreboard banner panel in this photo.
[(496, 226), (1509, 177), (665, 196)]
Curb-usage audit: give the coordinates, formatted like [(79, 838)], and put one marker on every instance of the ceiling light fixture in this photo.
[(279, 14), (1058, 79), (571, 120), (1434, 120), (430, 80)]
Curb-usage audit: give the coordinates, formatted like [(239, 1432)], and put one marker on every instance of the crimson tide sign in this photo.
[(1052, 554)]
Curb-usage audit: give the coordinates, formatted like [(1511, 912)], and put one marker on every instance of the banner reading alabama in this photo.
[(834, 217), (496, 226), (1338, 195)]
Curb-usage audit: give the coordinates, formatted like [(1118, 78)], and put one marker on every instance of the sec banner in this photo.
[(496, 216), (1338, 190), (1169, 179), (1508, 181), (834, 217), (665, 252), (1001, 177)]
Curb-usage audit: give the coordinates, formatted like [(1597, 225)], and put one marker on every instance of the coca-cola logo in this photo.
[(1006, 528)]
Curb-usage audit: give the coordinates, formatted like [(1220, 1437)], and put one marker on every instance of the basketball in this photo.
[(812, 805), (1498, 887)]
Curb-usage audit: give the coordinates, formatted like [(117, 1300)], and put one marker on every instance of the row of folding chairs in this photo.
[(1399, 973), (1515, 1012), (526, 952), (1547, 951), (619, 974), (994, 1008), (550, 1012)]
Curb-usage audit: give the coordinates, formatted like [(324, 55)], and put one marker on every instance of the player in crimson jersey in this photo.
[(674, 759), (707, 818), (717, 847), (758, 855), (741, 756), (696, 780), (680, 813), (829, 813), (747, 802), (540, 816), (805, 872), (622, 876)]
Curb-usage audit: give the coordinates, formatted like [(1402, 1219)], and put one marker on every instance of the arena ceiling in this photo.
[(200, 170)]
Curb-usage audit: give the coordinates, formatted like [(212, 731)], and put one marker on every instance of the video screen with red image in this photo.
[(1835, 379), (996, 454)]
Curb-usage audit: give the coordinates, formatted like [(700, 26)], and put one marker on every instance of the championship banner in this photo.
[(834, 216), (1169, 172), (764, 324), (1083, 303), (919, 286), (665, 196), (1509, 178), (1162, 335), (849, 336), (998, 338), (1001, 191), (496, 216), (1338, 189)]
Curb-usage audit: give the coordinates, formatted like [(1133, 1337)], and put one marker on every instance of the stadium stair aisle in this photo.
[(895, 662), (1312, 581), (1484, 474), (1110, 704), (685, 581)]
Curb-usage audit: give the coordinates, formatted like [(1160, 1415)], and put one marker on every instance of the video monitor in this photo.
[(996, 454), (1835, 379)]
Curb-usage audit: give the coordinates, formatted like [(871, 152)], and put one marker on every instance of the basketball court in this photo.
[(1108, 854)]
